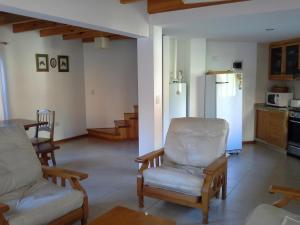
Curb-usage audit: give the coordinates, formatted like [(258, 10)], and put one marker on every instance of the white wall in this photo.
[(110, 82), (150, 91), (220, 56), (197, 77), (29, 90)]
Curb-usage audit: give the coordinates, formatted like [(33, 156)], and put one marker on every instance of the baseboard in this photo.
[(70, 139), (249, 142)]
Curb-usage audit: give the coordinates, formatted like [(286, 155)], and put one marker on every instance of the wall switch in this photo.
[(93, 92), (157, 100)]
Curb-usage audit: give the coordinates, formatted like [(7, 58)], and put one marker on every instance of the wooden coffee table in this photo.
[(123, 216)]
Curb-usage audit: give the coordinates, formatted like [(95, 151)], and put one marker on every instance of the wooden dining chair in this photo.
[(45, 115)]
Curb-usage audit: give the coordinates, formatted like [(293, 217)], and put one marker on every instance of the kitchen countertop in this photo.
[(263, 106)]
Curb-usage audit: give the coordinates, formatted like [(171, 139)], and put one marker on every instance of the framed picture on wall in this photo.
[(63, 63), (42, 62)]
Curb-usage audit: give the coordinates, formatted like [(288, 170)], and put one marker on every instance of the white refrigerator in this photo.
[(178, 104), (224, 99)]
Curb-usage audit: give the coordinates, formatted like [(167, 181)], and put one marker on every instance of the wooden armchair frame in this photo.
[(288, 195), (215, 179), (56, 174)]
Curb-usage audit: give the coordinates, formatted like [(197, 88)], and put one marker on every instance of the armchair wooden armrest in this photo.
[(150, 159), (295, 193), (215, 166), (288, 195), (64, 173), (3, 208), (150, 156)]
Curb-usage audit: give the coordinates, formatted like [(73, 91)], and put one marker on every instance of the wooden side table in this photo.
[(124, 216)]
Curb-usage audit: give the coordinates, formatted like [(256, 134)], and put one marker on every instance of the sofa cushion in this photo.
[(196, 141), (19, 165), (40, 203), (182, 179), (269, 215)]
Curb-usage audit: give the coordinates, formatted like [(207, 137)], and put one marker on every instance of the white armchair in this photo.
[(192, 167), (26, 195), (274, 214)]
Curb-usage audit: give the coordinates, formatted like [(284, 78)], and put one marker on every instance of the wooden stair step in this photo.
[(112, 131), (128, 116), (121, 123), (105, 133)]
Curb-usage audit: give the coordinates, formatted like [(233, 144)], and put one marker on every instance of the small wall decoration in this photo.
[(42, 62), (53, 62), (63, 63)]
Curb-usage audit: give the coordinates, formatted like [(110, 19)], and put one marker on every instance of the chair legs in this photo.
[(205, 216), (141, 201), (53, 158), (224, 187)]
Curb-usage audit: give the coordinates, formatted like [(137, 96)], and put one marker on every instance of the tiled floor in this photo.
[(112, 171)]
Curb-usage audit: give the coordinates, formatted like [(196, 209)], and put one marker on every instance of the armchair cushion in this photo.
[(196, 141), (40, 203), (19, 165), (182, 179), (269, 215)]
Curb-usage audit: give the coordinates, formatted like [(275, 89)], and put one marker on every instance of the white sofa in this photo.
[(26, 197)]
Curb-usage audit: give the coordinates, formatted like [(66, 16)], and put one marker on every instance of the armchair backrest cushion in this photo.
[(19, 165), (196, 141)]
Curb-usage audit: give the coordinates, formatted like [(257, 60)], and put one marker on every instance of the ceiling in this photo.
[(244, 21), (250, 28), (47, 28)]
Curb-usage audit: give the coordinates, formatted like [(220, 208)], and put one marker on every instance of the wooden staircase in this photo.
[(126, 129)]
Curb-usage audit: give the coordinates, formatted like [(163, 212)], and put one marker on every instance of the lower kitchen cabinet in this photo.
[(272, 127)]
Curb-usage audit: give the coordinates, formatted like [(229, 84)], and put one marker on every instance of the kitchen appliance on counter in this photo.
[(295, 103), (279, 99), (293, 132)]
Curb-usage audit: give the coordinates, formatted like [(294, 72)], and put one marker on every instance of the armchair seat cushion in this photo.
[(40, 203), (269, 215), (185, 180)]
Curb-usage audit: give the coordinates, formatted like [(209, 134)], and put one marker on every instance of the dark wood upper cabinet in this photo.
[(284, 60), (292, 59), (276, 61)]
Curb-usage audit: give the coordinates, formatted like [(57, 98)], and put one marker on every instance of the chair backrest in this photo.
[(46, 115), (19, 165), (196, 141)]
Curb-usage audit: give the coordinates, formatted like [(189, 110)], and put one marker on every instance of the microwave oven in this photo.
[(279, 99)]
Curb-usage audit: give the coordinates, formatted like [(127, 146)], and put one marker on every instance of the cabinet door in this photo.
[(262, 125), (277, 129), (276, 61), (292, 59)]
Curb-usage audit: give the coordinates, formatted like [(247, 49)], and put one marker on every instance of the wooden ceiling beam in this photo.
[(158, 6), (34, 25), (128, 1), (8, 18), (87, 34), (65, 29)]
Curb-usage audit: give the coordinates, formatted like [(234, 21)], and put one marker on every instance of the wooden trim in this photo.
[(70, 139), (249, 142), (34, 25), (61, 30), (8, 18), (158, 6), (84, 35), (128, 1)]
